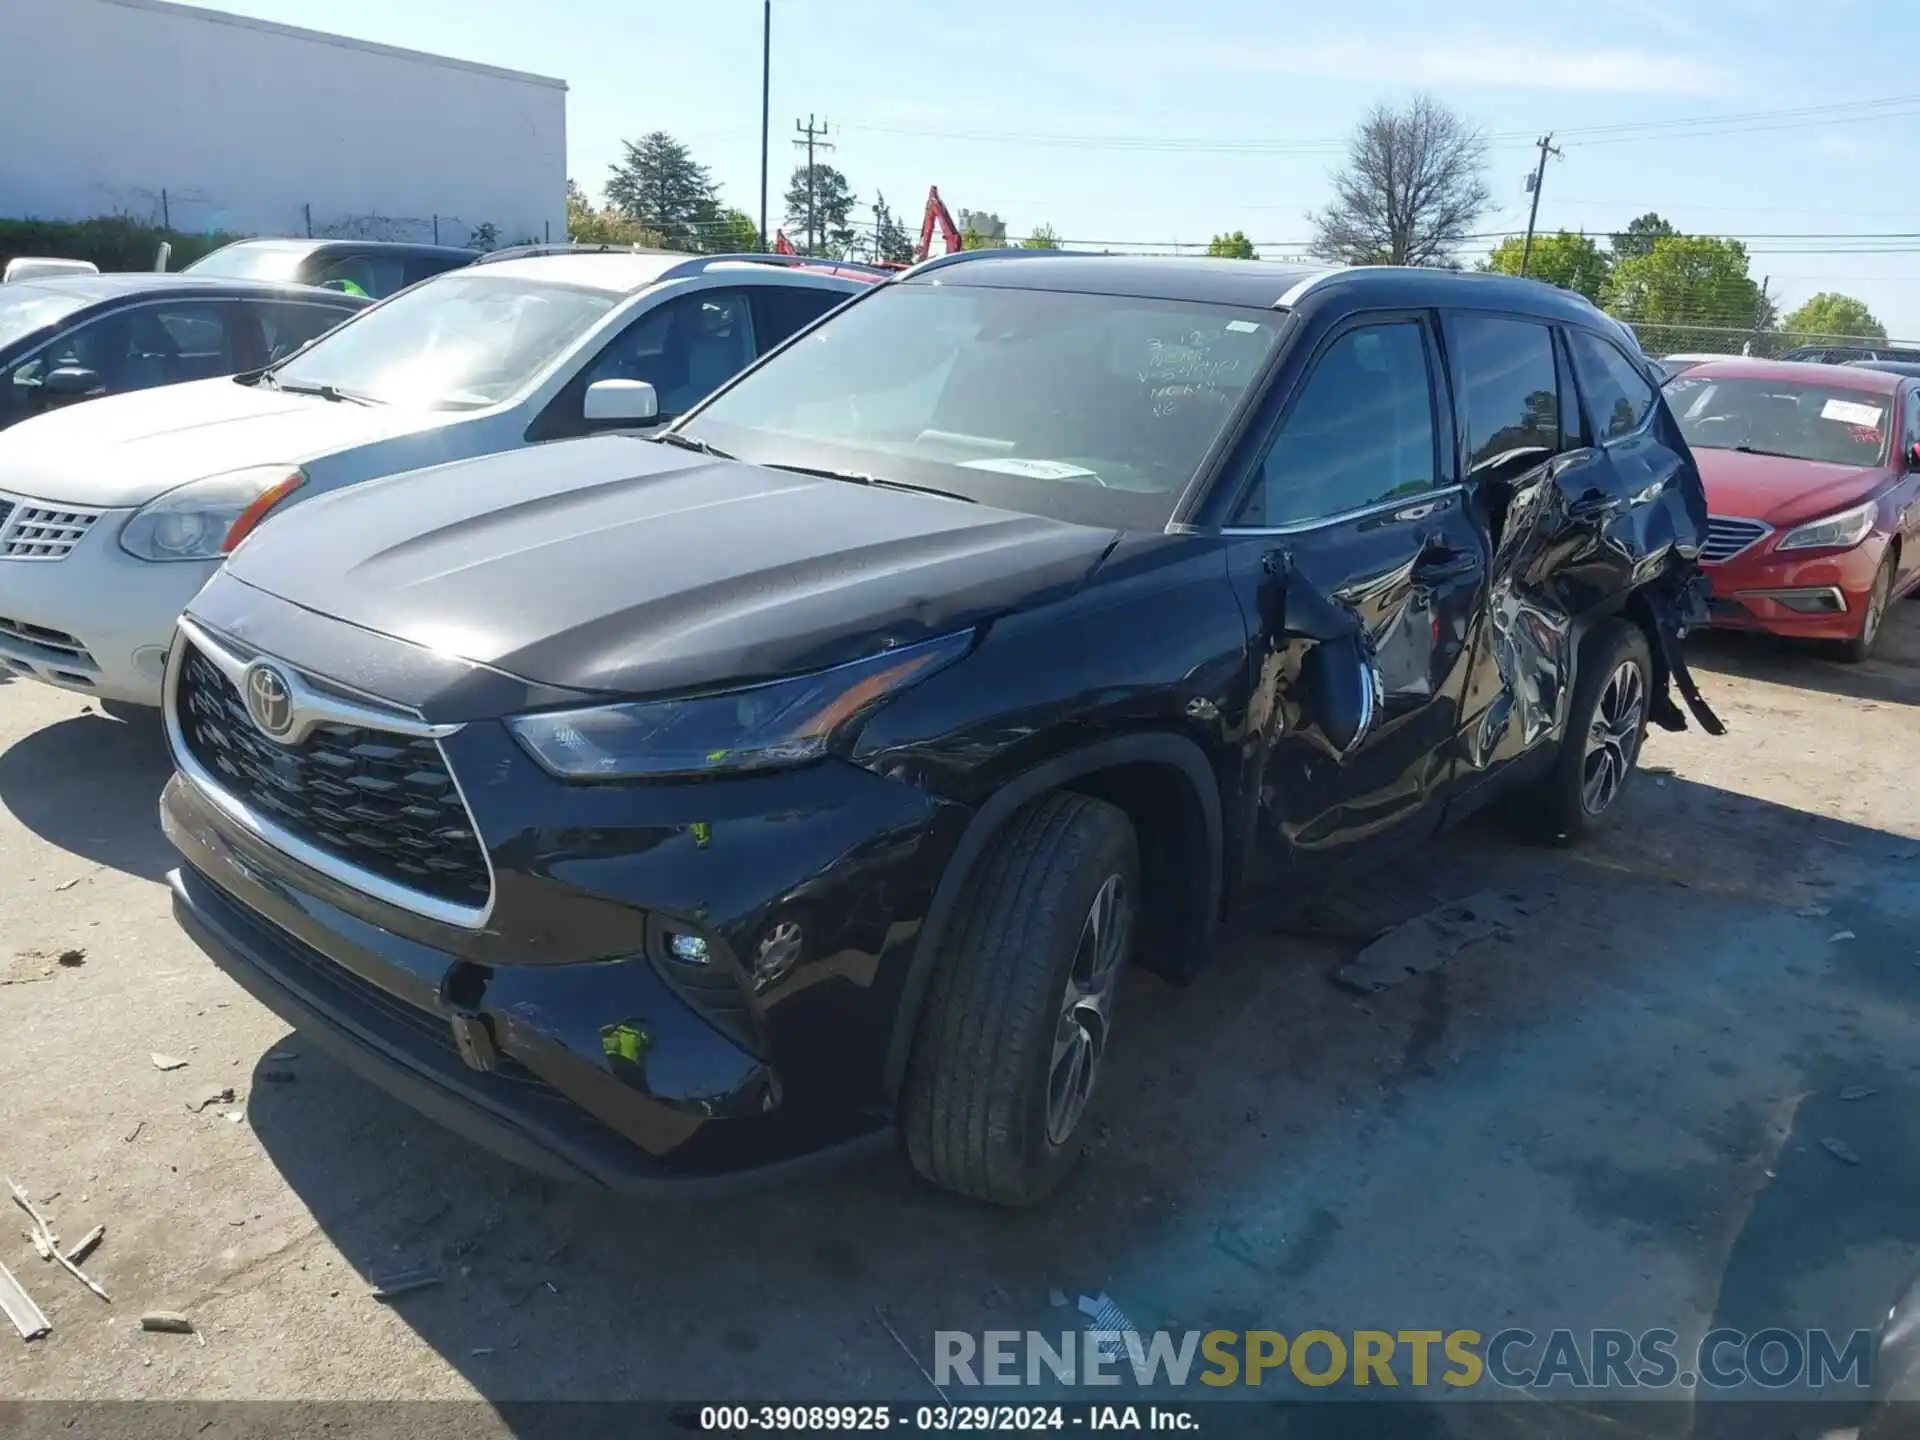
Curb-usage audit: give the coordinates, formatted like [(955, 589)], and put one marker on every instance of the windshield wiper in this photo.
[(861, 477), (327, 392), (687, 442)]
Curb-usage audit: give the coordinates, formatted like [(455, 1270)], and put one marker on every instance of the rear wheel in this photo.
[(1873, 617), (1020, 1013), (1606, 725)]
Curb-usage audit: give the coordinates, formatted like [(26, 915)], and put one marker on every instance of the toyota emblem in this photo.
[(269, 700)]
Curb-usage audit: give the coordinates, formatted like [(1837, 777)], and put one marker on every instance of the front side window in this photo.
[(374, 276), (1506, 373), (686, 348), (1782, 417), (457, 342), (784, 310), (1359, 434), (285, 327), (1618, 395), (1096, 408)]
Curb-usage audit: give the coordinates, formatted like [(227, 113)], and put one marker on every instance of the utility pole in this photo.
[(812, 135), (766, 115), (1547, 147)]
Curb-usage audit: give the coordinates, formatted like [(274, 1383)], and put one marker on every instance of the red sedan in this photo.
[(1813, 483)]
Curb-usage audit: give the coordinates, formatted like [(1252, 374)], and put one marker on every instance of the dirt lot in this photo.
[(1614, 1119)]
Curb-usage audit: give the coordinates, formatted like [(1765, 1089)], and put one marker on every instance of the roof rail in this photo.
[(1298, 290), (961, 257), (527, 252), (696, 264)]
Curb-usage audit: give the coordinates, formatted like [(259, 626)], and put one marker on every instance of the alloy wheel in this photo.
[(1613, 738), (1086, 1008)]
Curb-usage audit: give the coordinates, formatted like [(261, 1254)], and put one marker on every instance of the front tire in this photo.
[(1873, 618), (1606, 725), (1020, 1011)]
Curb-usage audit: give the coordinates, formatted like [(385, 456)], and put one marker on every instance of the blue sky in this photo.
[(1046, 113)]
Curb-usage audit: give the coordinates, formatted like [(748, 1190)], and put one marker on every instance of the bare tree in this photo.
[(1411, 191)]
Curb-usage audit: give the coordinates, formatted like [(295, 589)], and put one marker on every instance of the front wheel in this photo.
[(1860, 647), (1606, 725), (1020, 1012)]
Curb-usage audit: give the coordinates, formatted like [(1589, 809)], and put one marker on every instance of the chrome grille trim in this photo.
[(41, 530), (1731, 535), (336, 710)]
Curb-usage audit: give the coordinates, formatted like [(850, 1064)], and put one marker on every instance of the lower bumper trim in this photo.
[(543, 1132)]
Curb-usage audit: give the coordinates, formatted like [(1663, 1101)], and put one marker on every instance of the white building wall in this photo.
[(218, 122)]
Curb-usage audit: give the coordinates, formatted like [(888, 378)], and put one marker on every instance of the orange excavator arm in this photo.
[(937, 215)]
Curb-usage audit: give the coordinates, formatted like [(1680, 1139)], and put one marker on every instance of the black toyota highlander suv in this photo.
[(655, 810)]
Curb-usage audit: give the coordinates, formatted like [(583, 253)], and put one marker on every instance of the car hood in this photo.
[(126, 449), (1779, 490), (619, 565)]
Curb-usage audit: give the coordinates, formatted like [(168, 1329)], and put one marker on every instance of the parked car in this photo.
[(1890, 367), (656, 809), (372, 268), (1672, 365), (1813, 481), (1842, 354), (66, 338), (154, 490)]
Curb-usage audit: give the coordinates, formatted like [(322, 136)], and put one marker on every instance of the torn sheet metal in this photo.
[(1431, 939)]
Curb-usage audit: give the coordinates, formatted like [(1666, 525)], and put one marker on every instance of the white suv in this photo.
[(113, 513)]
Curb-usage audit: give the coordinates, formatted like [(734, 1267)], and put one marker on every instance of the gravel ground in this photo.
[(1613, 1119)]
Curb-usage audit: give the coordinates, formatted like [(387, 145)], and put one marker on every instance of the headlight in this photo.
[(205, 519), (1836, 532), (786, 722)]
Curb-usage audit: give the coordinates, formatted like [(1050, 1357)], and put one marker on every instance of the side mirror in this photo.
[(618, 402), (71, 382), (1913, 455), (1345, 690)]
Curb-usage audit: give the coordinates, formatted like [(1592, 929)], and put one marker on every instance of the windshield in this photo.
[(1781, 417), (25, 309), (458, 342), (1093, 408), (251, 262)]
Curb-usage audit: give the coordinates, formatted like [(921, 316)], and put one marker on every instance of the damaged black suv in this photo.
[(659, 810)]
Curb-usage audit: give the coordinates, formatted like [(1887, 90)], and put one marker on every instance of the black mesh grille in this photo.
[(6, 509), (380, 801)]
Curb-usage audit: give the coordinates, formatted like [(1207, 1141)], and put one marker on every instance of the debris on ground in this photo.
[(1432, 938), (285, 1053), (234, 1117), (279, 1077), (218, 1095), (83, 1247), (167, 1322), (1109, 1320), (134, 1134), (71, 958), (45, 1233), (1840, 1151), (1858, 1092), (27, 1317), (1839, 935), (404, 1282), (42, 1246), (167, 1062)]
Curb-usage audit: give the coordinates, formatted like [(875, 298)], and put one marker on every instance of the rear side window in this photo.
[(1618, 395), (783, 310), (1507, 377), (1360, 432), (375, 276)]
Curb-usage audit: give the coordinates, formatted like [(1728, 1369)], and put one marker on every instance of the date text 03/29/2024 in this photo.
[(979, 1419)]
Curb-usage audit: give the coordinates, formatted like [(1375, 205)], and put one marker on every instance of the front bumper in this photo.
[(96, 621), (644, 1114), (1819, 596)]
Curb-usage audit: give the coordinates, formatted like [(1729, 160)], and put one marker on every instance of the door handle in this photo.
[(1438, 565), (1593, 507)]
